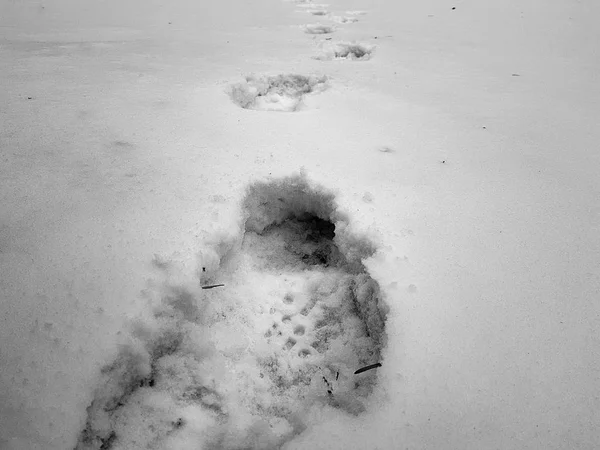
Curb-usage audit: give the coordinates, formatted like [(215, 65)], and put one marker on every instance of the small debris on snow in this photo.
[(364, 369), (211, 286)]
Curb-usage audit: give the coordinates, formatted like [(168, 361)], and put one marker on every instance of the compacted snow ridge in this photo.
[(295, 315)]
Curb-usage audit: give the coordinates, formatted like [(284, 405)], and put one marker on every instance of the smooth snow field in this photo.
[(271, 224)]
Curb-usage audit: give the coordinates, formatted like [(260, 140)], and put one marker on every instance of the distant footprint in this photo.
[(313, 5), (318, 28), (318, 12), (346, 50), (275, 93), (344, 19)]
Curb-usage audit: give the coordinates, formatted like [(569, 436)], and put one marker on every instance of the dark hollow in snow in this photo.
[(306, 300), (275, 93)]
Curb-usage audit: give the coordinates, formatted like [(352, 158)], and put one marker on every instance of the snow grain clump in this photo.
[(275, 93)]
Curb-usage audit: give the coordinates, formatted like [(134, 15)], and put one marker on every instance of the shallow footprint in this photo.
[(347, 50), (318, 29), (275, 93)]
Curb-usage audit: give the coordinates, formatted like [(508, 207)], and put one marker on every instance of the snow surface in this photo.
[(458, 165)]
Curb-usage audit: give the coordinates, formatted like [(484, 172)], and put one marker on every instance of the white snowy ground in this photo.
[(463, 153)]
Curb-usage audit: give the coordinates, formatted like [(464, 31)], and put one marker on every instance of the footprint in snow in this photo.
[(346, 50), (313, 5), (344, 19), (242, 366), (318, 28), (318, 12), (276, 93)]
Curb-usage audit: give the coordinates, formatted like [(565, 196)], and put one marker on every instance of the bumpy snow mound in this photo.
[(249, 363), (275, 93), (347, 50)]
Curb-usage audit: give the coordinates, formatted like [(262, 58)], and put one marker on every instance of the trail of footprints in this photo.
[(299, 340), (286, 92)]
